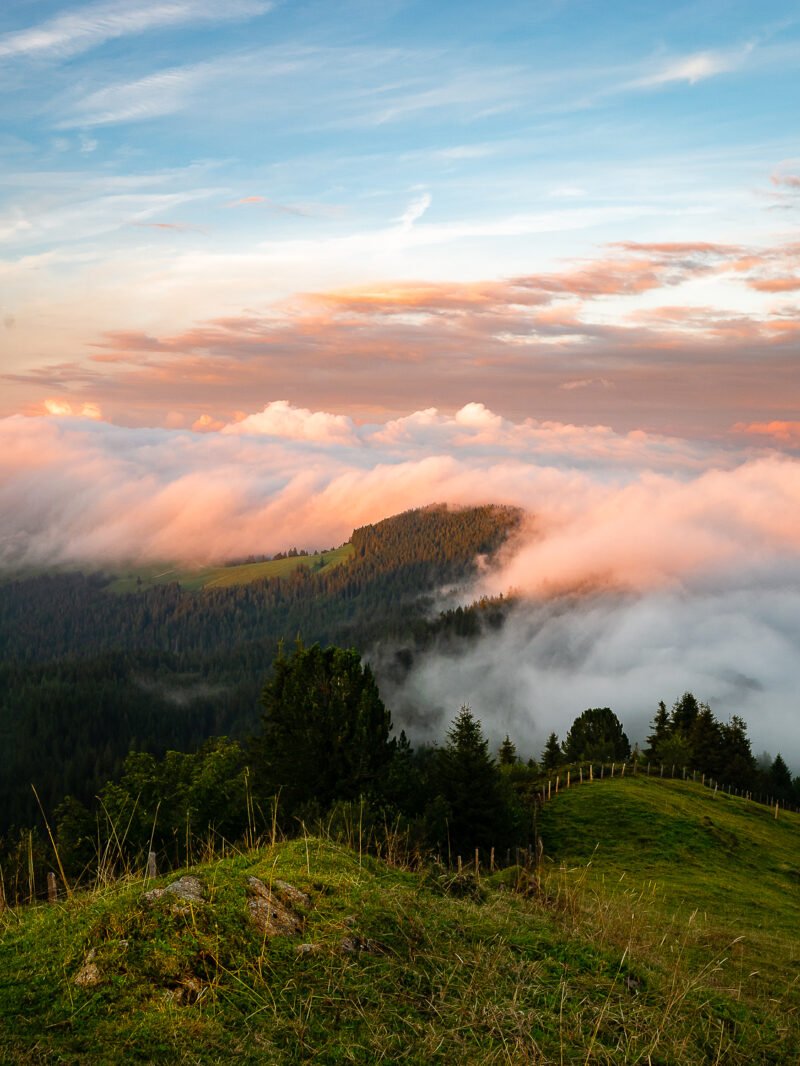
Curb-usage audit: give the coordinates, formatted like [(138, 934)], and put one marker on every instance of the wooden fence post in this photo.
[(613, 765), (477, 863), (567, 778), (623, 770), (151, 866), (580, 771), (491, 861), (558, 778), (52, 887), (460, 869), (591, 771)]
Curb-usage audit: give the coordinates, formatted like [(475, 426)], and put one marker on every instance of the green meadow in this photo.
[(661, 927), (137, 579)]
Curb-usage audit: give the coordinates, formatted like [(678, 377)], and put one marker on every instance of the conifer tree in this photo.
[(325, 733), (552, 756), (661, 730), (507, 754), (480, 813)]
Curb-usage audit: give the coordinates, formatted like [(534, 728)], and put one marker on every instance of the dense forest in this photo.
[(87, 675)]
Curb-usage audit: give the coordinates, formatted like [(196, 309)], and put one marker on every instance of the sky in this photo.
[(269, 270)]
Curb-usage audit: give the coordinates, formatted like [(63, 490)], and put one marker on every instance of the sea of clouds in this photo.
[(647, 565)]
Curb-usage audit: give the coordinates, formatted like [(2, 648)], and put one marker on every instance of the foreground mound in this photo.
[(304, 952)]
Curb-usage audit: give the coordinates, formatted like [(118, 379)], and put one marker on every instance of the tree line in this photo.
[(326, 756)]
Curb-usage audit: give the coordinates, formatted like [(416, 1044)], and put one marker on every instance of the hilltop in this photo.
[(663, 929)]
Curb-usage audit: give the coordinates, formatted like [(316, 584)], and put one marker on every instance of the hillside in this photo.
[(139, 579), (664, 930), (168, 665)]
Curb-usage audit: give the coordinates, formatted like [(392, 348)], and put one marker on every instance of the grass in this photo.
[(664, 930), (138, 579)]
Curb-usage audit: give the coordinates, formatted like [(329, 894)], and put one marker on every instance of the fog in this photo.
[(647, 565)]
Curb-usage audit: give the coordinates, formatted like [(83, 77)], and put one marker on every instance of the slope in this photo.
[(381, 964)]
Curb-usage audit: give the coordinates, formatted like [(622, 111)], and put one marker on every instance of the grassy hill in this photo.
[(663, 930), (139, 579)]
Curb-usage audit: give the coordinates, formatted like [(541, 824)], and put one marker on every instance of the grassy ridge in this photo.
[(721, 868), (664, 930), (141, 578)]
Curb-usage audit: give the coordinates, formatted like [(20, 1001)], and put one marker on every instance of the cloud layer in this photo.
[(647, 565)]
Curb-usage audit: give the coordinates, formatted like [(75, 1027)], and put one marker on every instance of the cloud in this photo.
[(789, 181), (605, 339), (781, 432), (64, 409), (415, 210), (153, 96), (88, 27), (647, 565), (694, 68), (586, 383), (279, 419)]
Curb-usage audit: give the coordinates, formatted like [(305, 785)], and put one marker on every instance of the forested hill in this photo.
[(394, 563), (87, 673)]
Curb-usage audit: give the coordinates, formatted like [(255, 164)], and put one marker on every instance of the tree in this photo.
[(552, 756), (507, 753), (684, 712), (737, 762), (325, 733), (661, 729), (705, 740), (480, 811), (780, 780), (596, 734)]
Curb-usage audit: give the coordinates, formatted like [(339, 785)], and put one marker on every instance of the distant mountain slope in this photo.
[(87, 673)]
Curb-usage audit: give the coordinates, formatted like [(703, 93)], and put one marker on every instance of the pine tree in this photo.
[(684, 712), (507, 754), (661, 730), (780, 780), (552, 755), (481, 815)]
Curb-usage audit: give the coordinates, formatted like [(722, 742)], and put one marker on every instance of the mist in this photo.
[(646, 565)]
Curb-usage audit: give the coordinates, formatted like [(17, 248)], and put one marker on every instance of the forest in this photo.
[(87, 675), (164, 719)]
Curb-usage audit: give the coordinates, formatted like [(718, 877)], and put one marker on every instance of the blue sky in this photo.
[(171, 163), (272, 270)]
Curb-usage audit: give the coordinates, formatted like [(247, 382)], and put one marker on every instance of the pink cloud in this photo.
[(781, 431), (280, 419)]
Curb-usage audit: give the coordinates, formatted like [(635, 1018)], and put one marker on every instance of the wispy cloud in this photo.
[(93, 25), (415, 210), (694, 68), (165, 93)]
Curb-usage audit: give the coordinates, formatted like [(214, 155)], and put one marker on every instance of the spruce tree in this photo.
[(661, 729), (552, 756), (325, 732), (507, 754), (480, 812)]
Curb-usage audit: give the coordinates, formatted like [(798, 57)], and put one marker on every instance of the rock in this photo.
[(308, 949), (357, 945), (268, 913), (89, 974), (188, 888), (289, 894)]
